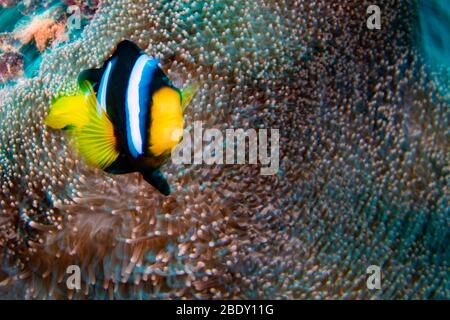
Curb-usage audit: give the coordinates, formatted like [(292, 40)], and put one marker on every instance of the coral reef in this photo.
[(43, 32), (363, 173), (11, 66), (8, 3), (8, 43)]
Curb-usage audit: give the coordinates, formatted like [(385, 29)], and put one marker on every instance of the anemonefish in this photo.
[(127, 116)]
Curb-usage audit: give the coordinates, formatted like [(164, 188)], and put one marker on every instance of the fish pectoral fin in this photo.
[(157, 180), (187, 95), (96, 141)]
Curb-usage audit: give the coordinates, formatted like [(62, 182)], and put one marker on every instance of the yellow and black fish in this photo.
[(127, 115)]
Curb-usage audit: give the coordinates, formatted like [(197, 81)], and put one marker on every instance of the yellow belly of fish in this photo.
[(166, 127)]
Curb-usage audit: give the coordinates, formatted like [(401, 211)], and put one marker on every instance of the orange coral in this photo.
[(43, 31)]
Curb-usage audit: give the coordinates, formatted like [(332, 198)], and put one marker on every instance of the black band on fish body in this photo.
[(124, 59), (157, 180)]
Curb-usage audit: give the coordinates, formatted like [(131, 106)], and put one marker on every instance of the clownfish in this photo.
[(126, 116)]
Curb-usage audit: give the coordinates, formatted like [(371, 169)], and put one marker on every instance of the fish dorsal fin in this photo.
[(92, 131), (128, 47)]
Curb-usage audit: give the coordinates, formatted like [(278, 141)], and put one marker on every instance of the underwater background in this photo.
[(364, 153)]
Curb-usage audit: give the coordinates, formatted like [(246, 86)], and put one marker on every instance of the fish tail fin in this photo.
[(68, 111), (92, 130), (188, 93)]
